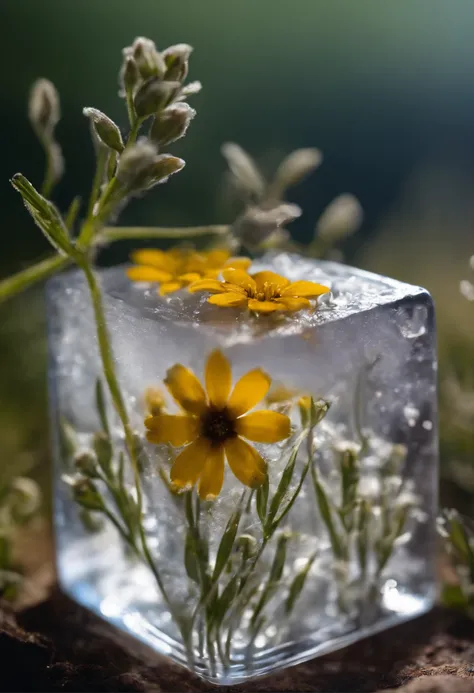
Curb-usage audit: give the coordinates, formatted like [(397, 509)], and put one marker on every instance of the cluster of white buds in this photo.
[(265, 200)]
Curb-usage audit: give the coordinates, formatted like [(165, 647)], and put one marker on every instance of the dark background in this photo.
[(384, 89)]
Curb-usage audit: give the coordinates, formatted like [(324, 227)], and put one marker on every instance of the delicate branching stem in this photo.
[(119, 233), (46, 268), (98, 180), (22, 280)]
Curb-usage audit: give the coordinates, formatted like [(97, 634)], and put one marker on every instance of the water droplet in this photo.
[(427, 425)]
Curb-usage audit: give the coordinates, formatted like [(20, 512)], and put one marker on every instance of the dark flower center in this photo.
[(217, 425)]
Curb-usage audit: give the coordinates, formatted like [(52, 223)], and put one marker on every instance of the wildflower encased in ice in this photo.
[(263, 292), (178, 267), (215, 424)]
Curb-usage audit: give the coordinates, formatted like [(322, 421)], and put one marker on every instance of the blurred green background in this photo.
[(385, 90)]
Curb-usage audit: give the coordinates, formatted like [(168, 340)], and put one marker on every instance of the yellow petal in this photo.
[(241, 263), (230, 299), (265, 277), (212, 476), (141, 273), (280, 394), (186, 389), (189, 464), (264, 426), (169, 287), (240, 278), (265, 306), (189, 277), (205, 285), (303, 288), (249, 391), (151, 256), (217, 257), (176, 430), (294, 304), (218, 378), (245, 462)]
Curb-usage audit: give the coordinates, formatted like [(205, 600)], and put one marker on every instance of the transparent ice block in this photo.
[(369, 350)]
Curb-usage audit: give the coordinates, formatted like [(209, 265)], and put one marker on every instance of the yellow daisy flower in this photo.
[(173, 269), (263, 292), (215, 424)]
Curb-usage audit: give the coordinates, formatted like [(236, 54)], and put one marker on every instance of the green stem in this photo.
[(98, 180), (17, 283), (120, 233), (48, 182), (117, 399), (23, 280)]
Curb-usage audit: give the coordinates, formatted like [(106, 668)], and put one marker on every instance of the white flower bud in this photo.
[(134, 161), (177, 60), (43, 107), (341, 218), (107, 131), (172, 123), (149, 62), (154, 95)]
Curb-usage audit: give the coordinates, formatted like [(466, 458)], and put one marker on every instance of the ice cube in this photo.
[(369, 349)]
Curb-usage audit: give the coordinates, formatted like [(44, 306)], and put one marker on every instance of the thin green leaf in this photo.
[(44, 214), (284, 484), (363, 535), (261, 500), (228, 538), (100, 404), (326, 516), (121, 471), (295, 495), (72, 212), (276, 571), (191, 562), (349, 483), (226, 600), (297, 585)]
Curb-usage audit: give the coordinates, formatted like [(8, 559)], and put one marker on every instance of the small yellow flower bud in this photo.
[(154, 401)]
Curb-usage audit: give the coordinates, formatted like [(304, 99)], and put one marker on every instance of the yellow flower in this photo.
[(173, 269), (263, 292), (218, 259), (215, 424)]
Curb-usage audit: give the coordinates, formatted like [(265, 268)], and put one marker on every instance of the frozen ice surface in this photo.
[(369, 349)]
